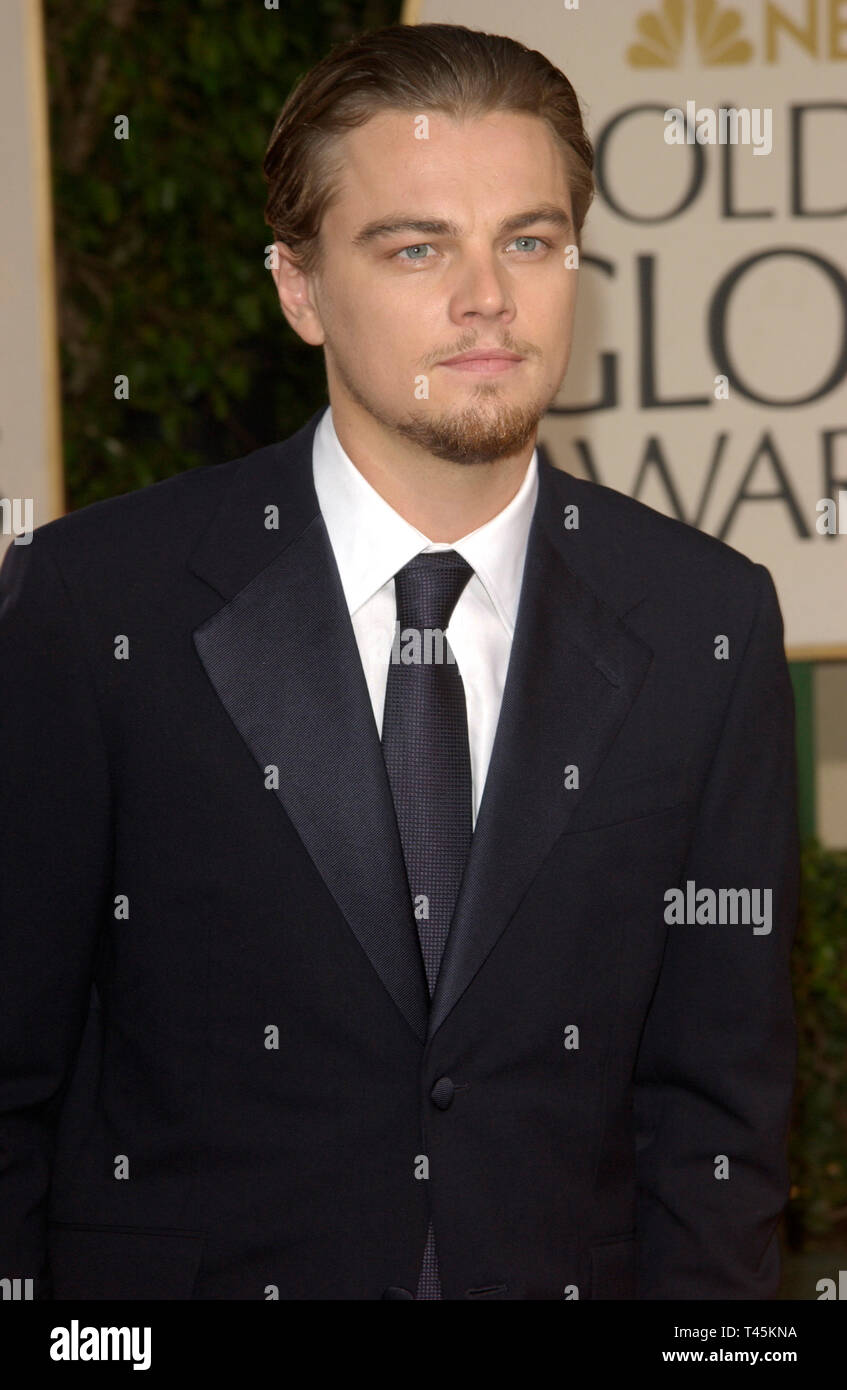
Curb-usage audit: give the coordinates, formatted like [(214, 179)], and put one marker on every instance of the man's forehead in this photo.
[(385, 152), (424, 129)]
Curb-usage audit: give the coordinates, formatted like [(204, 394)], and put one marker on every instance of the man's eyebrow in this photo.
[(395, 223)]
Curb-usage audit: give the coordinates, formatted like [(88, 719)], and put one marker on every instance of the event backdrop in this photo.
[(709, 372), (31, 485)]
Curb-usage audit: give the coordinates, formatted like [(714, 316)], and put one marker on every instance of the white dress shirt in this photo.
[(371, 542)]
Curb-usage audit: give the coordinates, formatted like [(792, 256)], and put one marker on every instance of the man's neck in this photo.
[(443, 500)]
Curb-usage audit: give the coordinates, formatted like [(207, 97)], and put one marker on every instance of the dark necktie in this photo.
[(427, 757)]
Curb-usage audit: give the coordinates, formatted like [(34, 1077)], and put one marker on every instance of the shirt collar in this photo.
[(371, 541)]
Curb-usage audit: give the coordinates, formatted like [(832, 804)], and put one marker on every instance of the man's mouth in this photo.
[(484, 361)]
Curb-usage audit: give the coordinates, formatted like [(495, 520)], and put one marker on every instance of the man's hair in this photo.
[(419, 68)]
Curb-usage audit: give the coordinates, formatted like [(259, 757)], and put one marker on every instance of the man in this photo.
[(361, 795)]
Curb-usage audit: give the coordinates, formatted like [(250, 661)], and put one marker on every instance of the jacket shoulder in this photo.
[(166, 517), (158, 510), (624, 538)]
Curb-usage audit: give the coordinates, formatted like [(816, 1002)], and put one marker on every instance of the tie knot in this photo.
[(429, 587)]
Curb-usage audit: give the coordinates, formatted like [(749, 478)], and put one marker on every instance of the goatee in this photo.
[(473, 435)]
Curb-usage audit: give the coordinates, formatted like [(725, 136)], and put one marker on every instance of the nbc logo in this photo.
[(715, 30)]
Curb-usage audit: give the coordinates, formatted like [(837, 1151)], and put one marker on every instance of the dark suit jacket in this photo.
[(167, 903)]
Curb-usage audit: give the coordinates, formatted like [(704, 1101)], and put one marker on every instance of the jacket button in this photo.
[(392, 1292), (442, 1093)]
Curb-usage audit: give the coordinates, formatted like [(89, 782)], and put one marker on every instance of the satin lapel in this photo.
[(283, 658), (574, 671)]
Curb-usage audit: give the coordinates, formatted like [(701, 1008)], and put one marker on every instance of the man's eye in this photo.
[(420, 246), (539, 241)]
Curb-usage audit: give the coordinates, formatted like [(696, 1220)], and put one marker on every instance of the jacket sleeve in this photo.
[(714, 1074), (55, 829)]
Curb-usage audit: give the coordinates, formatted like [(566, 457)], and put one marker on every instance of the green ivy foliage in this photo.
[(817, 1209), (159, 238)]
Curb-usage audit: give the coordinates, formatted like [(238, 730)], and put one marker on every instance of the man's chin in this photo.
[(472, 434)]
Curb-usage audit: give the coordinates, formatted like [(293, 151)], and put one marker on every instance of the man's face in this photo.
[(391, 305)]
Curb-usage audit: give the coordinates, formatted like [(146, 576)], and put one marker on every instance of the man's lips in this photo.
[(480, 353), (483, 360)]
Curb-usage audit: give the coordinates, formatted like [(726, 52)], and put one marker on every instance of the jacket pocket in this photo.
[(614, 803), (613, 1268), (122, 1261)]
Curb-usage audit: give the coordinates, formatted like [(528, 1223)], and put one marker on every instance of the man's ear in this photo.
[(295, 290)]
